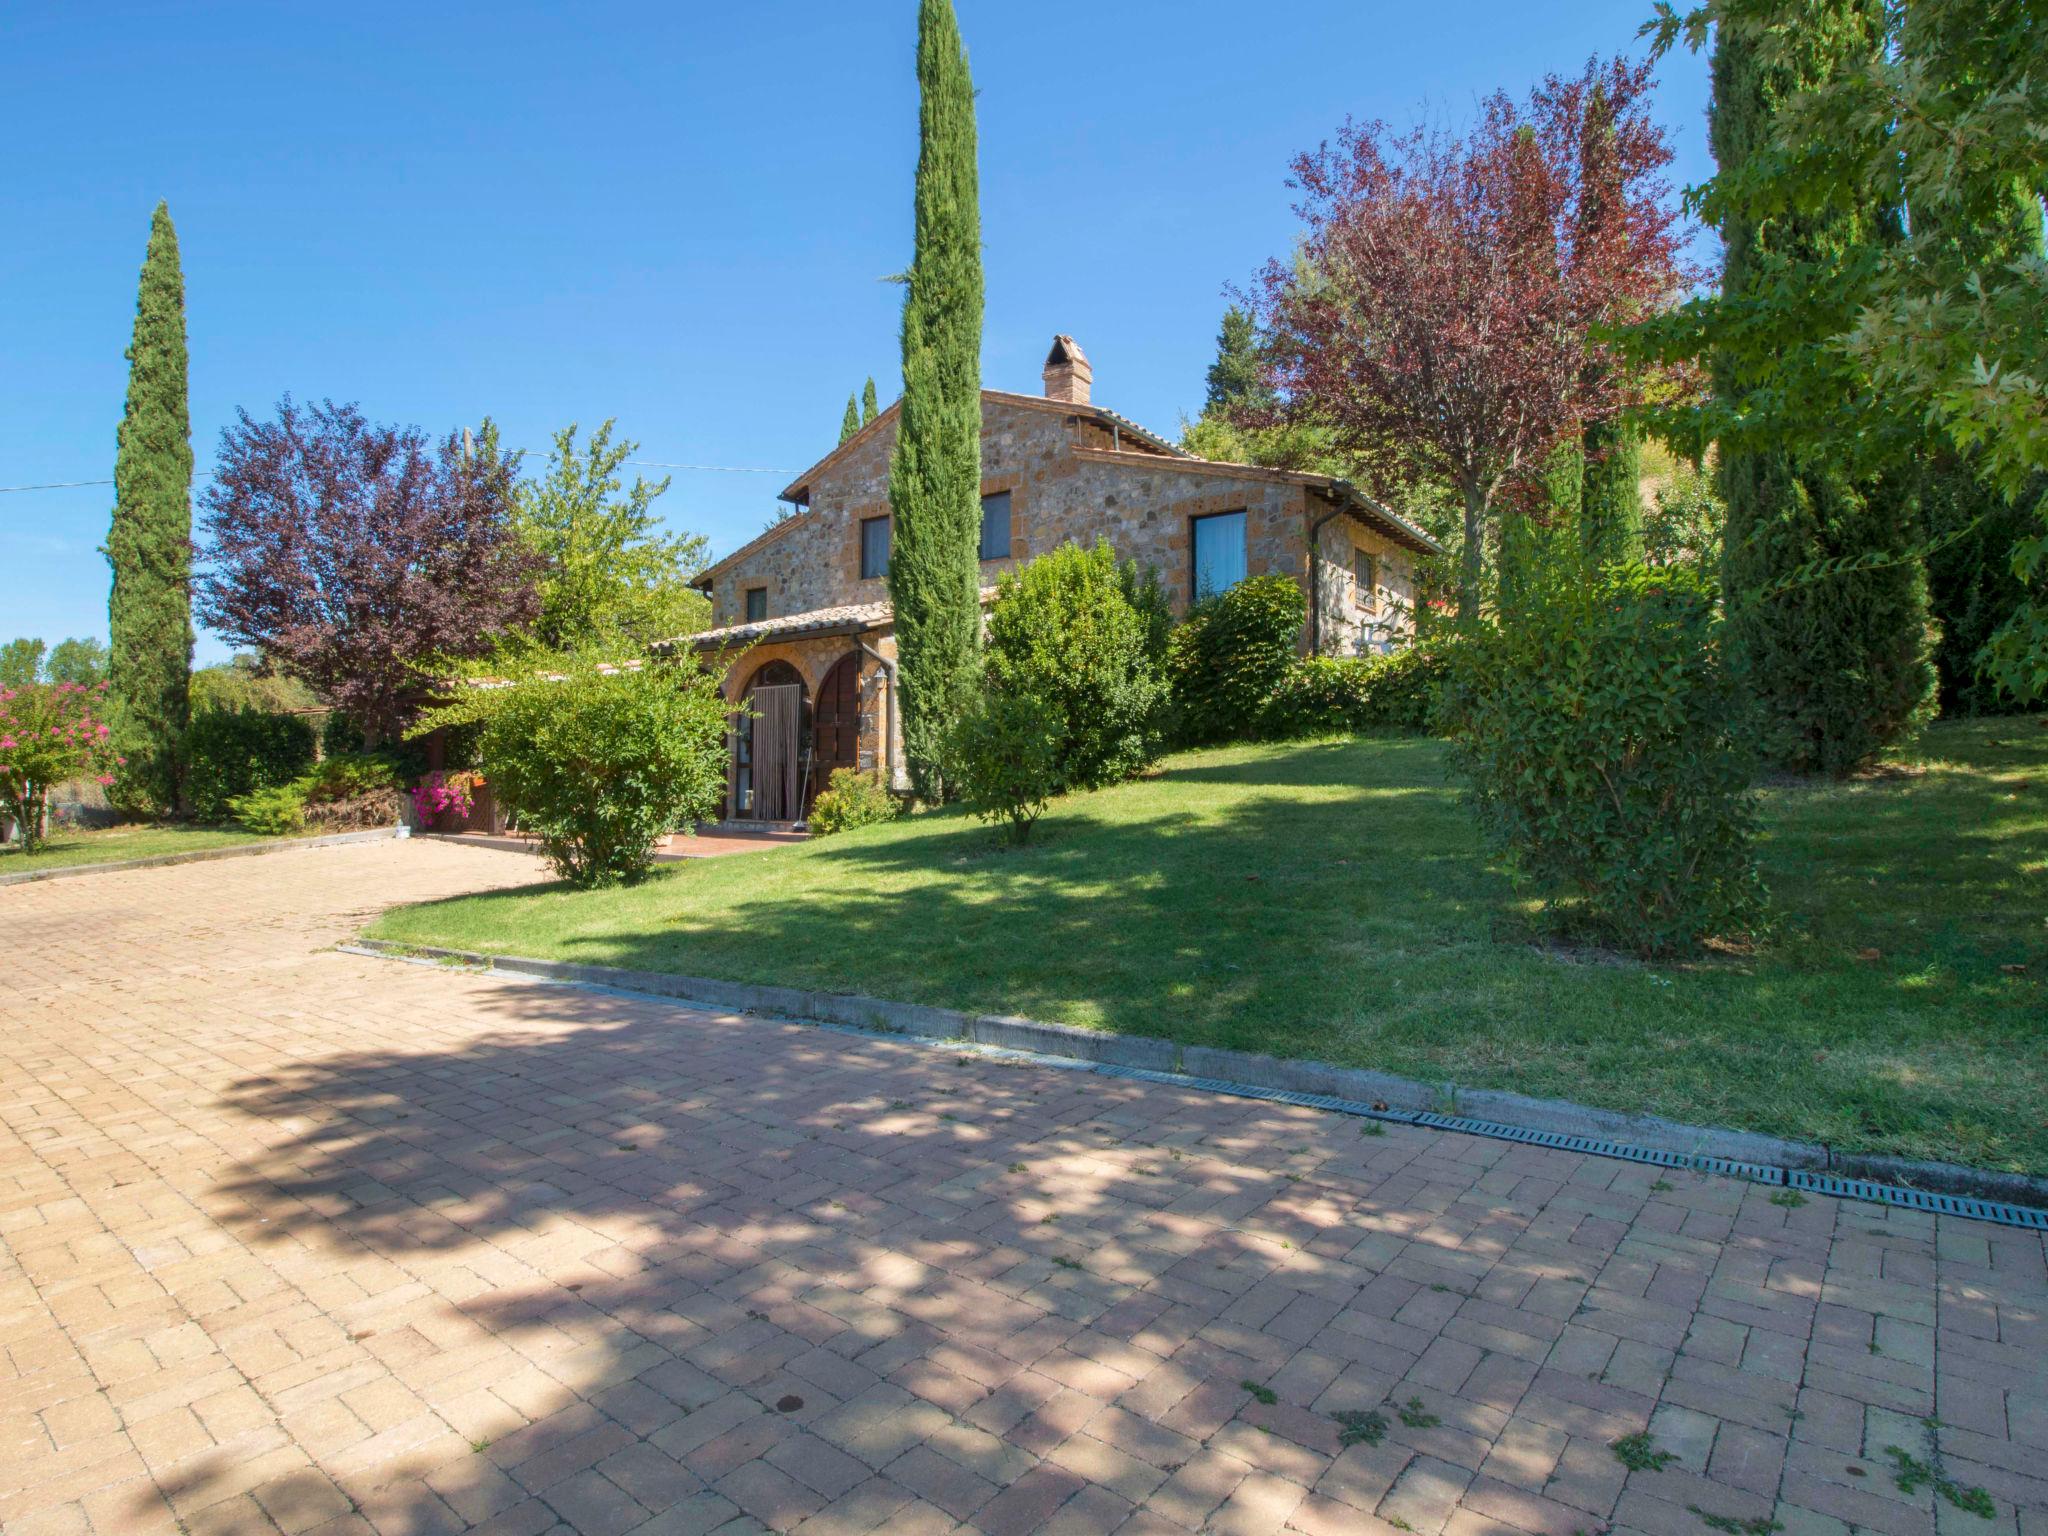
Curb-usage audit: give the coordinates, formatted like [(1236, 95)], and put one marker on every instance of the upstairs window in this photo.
[(1365, 571), (874, 548), (1219, 561), (757, 604), (995, 526)]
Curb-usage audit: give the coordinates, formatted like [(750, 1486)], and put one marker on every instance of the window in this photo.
[(874, 547), (995, 526), (1219, 553), (757, 604), (1365, 570)]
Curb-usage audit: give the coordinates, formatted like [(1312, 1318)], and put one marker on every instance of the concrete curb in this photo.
[(1246, 1069), (203, 855)]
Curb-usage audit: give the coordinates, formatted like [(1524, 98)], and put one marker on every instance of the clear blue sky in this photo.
[(676, 215)]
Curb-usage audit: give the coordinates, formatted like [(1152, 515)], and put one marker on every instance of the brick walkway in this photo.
[(296, 1240)]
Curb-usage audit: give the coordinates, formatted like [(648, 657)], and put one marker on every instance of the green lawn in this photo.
[(1329, 900), (136, 841)]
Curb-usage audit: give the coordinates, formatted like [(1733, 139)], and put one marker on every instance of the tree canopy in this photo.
[(1445, 296), (611, 576), (350, 554)]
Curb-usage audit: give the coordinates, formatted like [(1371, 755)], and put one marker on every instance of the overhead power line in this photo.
[(720, 469), (53, 485)]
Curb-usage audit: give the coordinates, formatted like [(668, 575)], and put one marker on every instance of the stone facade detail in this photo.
[(1076, 477), (1074, 472)]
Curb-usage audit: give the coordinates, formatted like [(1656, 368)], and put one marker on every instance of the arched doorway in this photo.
[(769, 743), (835, 730)]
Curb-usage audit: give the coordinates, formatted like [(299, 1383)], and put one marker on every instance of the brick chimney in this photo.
[(1067, 374)]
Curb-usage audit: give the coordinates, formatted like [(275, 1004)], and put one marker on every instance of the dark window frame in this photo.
[(749, 598), (888, 540), (1195, 592), (1009, 526), (1366, 580)]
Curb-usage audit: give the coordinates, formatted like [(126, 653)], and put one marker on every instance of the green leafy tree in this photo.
[(21, 663), (1610, 513), (1240, 422), (149, 545), (869, 407), (1936, 327), (77, 661), (850, 422), (935, 474), (611, 578), (1838, 662)]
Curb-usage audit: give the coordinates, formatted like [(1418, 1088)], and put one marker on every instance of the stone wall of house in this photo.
[(1066, 483), (1356, 623)]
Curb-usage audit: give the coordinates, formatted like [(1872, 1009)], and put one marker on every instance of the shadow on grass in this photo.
[(1332, 900)]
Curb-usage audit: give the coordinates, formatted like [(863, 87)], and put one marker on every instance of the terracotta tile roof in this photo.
[(846, 619)]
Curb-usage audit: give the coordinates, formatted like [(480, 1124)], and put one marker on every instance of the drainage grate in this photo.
[(1922, 1200), (1756, 1173)]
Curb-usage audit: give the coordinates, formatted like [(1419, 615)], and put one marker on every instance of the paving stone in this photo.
[(302, 1241)]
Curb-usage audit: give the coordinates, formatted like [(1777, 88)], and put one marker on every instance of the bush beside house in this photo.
[(599, 764), (851, 799), (1229, 657), (1064, 633)]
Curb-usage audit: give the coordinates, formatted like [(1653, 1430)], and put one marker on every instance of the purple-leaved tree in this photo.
[(352, 554)]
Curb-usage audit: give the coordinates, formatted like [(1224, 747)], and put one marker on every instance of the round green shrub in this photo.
[(1004, 752), (1064, 633), (1230, 655), (1608, 752), (600, 764), (277, 810), (851, 799), (233, 752)]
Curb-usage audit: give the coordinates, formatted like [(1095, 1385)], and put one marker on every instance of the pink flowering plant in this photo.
[(439, 792), (50, 733)]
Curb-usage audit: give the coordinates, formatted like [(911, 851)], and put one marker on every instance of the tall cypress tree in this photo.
[(149, 545), (1610, 510), (935, 474), (869, 408), (1838, 663), (850, 423)]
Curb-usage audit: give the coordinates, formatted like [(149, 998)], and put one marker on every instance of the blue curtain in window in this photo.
[(1219, 553), (995, 526)]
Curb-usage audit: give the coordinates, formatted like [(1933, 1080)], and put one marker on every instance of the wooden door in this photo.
[(835, 723)]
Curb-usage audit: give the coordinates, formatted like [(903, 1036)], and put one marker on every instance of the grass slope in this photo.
[(1330, 900), (109, 844)]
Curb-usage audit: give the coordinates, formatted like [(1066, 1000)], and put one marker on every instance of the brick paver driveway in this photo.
[(297, 1240)]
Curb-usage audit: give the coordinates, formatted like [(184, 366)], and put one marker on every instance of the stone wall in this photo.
[(1067, 483)]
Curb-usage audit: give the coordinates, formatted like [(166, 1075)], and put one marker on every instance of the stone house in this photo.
[(801, 617)]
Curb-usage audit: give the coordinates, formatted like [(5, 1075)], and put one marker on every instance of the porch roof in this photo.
[(848, 619)]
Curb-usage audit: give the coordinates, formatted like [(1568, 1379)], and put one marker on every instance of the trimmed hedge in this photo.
[(235, 752), (1230, 656), (1325, 694)]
